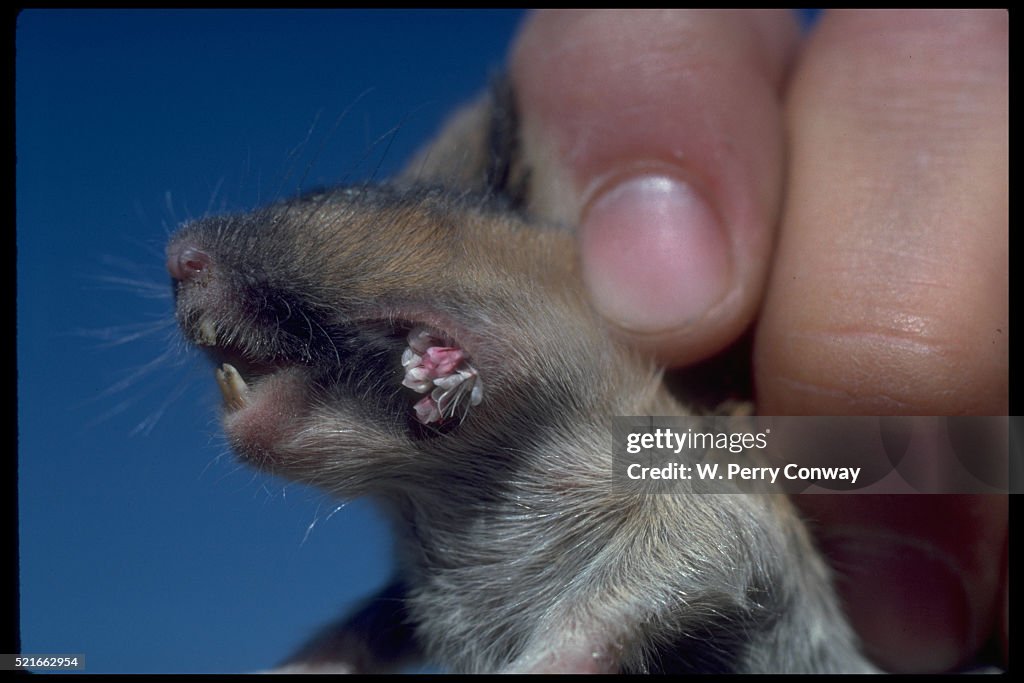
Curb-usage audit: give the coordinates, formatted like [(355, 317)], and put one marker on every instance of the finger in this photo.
[(659, 133), (890, 287), (889, 295)]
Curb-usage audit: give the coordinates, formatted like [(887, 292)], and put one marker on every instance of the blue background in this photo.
[(144, 545)]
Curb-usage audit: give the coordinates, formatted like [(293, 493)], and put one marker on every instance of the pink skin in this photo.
[(441, 360), (434, 362)]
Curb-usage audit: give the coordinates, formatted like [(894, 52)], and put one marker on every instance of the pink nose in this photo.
[(185, 261)]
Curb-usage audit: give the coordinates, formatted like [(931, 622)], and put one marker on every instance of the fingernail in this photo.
[(655, 257), (906, 599)]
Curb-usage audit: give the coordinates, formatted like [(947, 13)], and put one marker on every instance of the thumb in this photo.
[(659, 134)]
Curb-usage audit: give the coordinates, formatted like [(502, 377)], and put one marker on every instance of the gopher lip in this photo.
[(235, 369), (265, 399), (432, 364)]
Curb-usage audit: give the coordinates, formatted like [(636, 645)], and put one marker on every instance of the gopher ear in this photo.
[(457, 156), (477, 150)]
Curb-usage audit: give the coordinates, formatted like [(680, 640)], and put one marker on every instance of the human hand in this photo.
[(850, 192)]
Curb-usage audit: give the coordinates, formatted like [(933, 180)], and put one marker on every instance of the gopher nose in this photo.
[(186, 261)]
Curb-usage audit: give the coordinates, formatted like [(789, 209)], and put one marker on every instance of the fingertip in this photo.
[(928, 624), (919, 576), (656, 260)]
